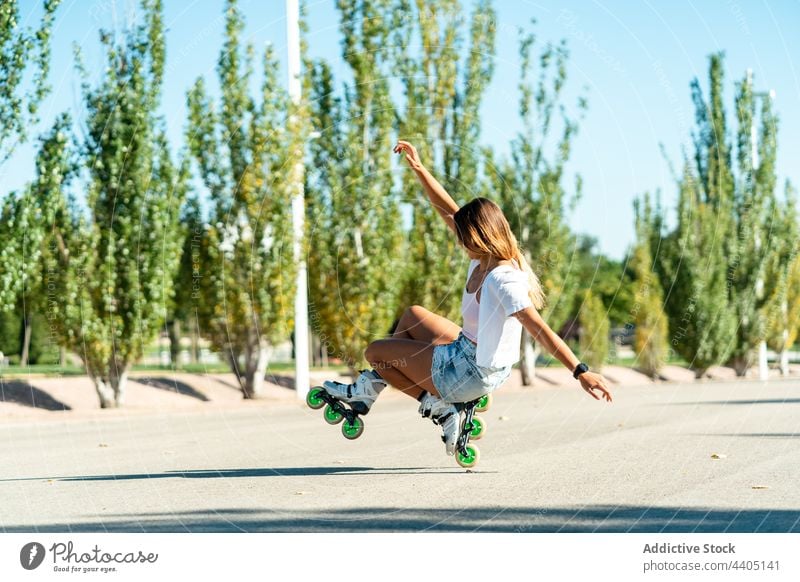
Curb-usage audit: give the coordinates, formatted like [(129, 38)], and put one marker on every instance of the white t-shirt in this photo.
[(504, 292)]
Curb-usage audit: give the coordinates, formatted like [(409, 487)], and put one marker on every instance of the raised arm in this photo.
[(438, 196), (541, 332)]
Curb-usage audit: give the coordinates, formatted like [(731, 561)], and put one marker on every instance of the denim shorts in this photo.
[(456, 375)]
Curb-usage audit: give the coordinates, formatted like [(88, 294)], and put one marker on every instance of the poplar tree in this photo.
[(728, 235), (113, 267), (695, 257), (754, 245), (782, 306), (702, 321), (594, 326), (186, 301), (25, 223), (22, 50), (245, 150), (441, 100), (531, 185), (355, 225), (651, 330)]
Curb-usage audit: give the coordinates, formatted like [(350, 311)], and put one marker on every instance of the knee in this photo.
[(415, 313), (371, 354)]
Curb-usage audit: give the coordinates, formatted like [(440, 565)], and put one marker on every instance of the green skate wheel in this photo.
[(478, 428), (353, 430), (331, 416), (470, 459), (484, 403), (314, 398)]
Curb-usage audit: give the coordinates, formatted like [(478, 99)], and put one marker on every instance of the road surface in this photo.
[(705, 457)]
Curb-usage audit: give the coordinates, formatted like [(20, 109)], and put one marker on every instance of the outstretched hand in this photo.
[(403, 147), (592, 382)]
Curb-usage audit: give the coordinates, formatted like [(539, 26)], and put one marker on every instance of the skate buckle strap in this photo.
[(441, 418)]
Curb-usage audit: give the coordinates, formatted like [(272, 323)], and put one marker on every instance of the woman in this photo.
[(439, 363)]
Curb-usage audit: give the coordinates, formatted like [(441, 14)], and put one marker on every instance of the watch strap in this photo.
[(580, 369)]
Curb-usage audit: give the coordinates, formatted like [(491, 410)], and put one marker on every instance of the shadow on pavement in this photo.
[(18, 392), (755, 401), (763, 435), (629, 518), (255, 472), (171, 385), (282, 381)]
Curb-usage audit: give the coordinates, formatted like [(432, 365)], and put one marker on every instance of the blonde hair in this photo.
[(483, 229)]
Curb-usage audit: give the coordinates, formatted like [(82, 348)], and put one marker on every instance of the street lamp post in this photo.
[(301, 350), (763, 367)]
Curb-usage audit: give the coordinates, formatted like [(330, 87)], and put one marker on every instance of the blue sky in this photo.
[(635, 58)]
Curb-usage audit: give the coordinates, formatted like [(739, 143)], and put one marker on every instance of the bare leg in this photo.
[(398, 380), (419, 324), (404, 363), (422, 325)]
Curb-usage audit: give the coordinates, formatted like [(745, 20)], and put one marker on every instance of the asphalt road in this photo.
[(553, 460)]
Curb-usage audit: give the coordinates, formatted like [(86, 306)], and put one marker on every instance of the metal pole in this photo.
[(763, 365), (301, 349)]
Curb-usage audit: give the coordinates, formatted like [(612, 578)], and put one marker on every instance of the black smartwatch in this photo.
[(580, 369)]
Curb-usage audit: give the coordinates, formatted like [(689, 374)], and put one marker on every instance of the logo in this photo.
[(31, 555)]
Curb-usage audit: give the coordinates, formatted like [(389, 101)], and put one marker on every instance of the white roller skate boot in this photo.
[(361, 394), (442, 414)]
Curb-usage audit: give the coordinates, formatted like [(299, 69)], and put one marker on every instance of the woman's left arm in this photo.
[(541, 332)]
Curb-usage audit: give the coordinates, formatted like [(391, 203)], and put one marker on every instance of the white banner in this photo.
[(401, 557)]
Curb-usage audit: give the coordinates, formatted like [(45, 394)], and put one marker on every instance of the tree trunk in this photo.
[(118, 379), (527, 364), (741, 364), (784, 359), (62, 356), (784, 354), (233, 363), (104, 392), (257, 361), (26, 341), (174, 331), (699, 373), (195, 342)]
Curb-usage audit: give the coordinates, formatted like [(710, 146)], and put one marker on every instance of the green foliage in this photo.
[(21, 50), (725, 265), (43, 348), (756, 248), (781, 309), (247, 151), (26, 217), (531, 186), (594, 324), (186, 301), (694, 257), (440, 116), (701, 319), (109, 271), (10, 333), (652, 339), (355, 226), (25, 231)]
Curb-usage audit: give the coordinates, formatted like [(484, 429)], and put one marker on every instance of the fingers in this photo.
[(606, 395), (404, 145)]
